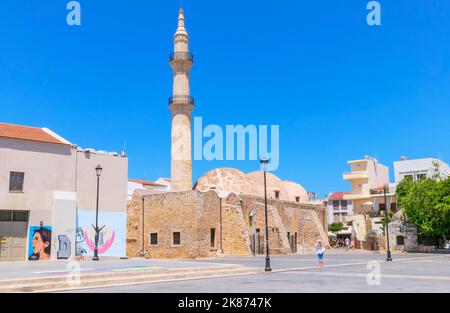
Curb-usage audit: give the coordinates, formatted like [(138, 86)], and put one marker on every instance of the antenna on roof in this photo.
[(124, 149)]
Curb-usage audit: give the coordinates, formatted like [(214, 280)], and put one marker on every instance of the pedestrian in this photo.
[(320, 252), (347, 243), (375, 246)]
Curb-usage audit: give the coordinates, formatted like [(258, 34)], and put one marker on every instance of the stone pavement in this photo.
[(345, 272), (28, 269)]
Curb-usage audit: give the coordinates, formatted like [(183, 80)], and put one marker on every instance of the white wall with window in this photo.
[(419, 169), (339, 209)]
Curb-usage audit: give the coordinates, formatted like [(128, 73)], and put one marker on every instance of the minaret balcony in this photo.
[(182, 56), (181, 100), (183, 59)]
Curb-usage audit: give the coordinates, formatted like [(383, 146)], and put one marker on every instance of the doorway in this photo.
[(13, 235)]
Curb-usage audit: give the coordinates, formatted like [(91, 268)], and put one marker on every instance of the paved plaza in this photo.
[(17, 270), (344, 271)]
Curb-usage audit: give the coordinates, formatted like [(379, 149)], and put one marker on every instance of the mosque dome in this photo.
[(296, 192), (275, 186), (234, 180), (226, 179)]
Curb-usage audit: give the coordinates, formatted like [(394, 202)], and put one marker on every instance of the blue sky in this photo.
[(338, 88)]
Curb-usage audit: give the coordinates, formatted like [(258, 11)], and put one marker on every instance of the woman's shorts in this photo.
[(320, 256)]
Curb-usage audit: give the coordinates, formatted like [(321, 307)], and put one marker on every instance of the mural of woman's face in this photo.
[(39, 245)]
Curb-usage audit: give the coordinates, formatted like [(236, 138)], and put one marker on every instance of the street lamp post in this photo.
[(303, 233), (253, 216), (386, 219), (98, 171), (264, 163), (143, 227), (221, 226)]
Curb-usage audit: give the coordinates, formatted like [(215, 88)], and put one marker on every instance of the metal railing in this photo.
[(181, 100), (181, 56)]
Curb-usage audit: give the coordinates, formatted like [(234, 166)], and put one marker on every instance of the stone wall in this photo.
[(188, 212), (288, 217), (397, 229), (405, 233), (195, 214)]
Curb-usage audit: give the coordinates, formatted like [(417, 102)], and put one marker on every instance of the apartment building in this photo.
[(365, 175)]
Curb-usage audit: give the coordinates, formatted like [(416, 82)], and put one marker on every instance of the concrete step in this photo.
[(131, 272), (49, 284)]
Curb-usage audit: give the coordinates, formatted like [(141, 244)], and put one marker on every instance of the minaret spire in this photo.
[(181, 30), (181, 105)]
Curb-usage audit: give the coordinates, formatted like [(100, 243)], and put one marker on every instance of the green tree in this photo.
[(335, 228), (436, 171), (386, 221), (427, 205)]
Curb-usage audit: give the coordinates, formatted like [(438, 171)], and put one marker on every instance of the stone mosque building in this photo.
[(223, 213)]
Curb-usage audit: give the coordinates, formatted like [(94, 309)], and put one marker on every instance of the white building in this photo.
[(166, 182), (138, 184), (48, 196), (339, 210), (419, 169)]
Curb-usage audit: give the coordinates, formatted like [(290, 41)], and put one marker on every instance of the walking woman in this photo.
[(320, 251)]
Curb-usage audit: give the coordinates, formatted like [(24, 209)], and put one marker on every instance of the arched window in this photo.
[(400, 240)]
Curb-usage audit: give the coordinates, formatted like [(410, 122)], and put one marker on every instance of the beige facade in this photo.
[(47, 167), (367, 179), (59, 194), (365, 175)]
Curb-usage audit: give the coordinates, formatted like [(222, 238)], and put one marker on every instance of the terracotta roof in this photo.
[(337, 196), (145, 182), (30, 133)]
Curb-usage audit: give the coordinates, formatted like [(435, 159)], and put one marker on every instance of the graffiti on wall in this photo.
[(40, 243), (112, 238), (64, 248), (86, 240), (105, 240), (80, 245)]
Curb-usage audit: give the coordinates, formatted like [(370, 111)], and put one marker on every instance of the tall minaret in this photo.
[(181, 106)]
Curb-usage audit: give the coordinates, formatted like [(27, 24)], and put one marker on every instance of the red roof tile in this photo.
[(28, 133), (337, 196), (145, 182)]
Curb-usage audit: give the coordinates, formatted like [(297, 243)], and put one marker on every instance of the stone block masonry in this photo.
[(189, 224)]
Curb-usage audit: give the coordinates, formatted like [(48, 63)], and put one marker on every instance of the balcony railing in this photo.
[(181, 100), (181, 56), (356, 175)]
